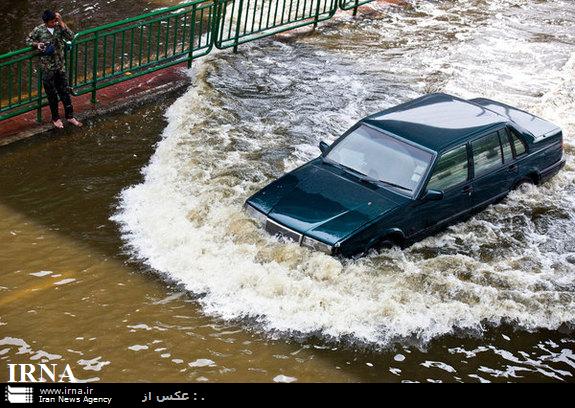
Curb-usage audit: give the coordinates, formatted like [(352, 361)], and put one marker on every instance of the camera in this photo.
[(47, 49)]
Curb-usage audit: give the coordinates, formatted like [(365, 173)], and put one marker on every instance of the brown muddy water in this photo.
[(125, 252)]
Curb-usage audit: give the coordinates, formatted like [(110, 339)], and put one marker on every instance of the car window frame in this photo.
[(513, 132), (436, 162), (495, 131), (507, 132), (414, 194)]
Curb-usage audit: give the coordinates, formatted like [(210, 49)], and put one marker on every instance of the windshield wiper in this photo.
[(389, 183), (347, 169), (364, 177)]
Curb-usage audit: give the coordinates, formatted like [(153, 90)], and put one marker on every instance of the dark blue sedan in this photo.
[(403, 173)]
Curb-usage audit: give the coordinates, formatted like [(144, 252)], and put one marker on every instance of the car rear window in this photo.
[(451, 169)]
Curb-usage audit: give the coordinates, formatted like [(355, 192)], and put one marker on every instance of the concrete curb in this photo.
[(126, 94)]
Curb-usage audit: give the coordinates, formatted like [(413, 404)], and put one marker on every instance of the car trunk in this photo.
[(539, 128)]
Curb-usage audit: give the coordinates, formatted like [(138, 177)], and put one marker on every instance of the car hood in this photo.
[(323, 203)]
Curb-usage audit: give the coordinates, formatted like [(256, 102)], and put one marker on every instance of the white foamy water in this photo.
[(251, 117)]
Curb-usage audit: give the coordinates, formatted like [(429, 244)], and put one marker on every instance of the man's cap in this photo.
[(48, 15)]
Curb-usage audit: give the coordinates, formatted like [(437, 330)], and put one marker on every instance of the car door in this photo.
[(451, 176), (493, 168)]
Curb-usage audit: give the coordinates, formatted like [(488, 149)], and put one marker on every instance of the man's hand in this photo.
[(61, 22), (40, 46)]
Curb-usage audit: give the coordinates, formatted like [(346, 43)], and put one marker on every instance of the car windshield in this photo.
[(382, 158)]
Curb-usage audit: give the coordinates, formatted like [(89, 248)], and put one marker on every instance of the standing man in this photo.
[(50, 39)]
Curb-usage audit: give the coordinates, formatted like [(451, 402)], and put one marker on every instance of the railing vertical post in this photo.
[(316, 14), (239, 22), (95, 68), (19, 81), (39, 109), (70, 63), (192, 36), (355, 8), (216, 21)]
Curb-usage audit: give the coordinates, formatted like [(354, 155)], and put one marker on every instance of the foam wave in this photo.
[(248, 118)]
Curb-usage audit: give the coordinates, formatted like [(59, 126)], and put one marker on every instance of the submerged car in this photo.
[(403, 173)]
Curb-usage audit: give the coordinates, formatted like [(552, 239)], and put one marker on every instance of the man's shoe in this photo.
[(75, 122), (58, 124)]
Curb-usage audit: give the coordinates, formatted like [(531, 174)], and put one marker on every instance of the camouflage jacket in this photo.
[(54, 62)]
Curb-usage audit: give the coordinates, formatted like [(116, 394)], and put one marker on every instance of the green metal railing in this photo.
[(113, 53), (246, 20), (116, 52), (20, 83)]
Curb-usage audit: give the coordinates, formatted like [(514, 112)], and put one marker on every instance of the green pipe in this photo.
[(131, 48), (10, 90), (149, 34), (141, 48), (123, 50), (238, 23), (167, 37), (113, 53), (95, 70), (20, 82), (192, 37), (85, 62), (75, 77), (270, 12), (39, 109), (158, 40), (1, 89), (231, 16), (175, 47), (105, 54), (30, 69), (184, 32), (17, 52), (201, 29), (12, 62), (246, 19)]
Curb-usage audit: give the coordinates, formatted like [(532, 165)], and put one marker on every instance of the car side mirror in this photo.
[(323, 147), (432, 195)]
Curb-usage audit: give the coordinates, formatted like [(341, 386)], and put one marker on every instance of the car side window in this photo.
[(518, 144), (486, 154), (451, 169)]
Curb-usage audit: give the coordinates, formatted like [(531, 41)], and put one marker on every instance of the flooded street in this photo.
[(126, 254)]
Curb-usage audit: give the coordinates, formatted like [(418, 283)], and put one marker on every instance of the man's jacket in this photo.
[(55, 61)]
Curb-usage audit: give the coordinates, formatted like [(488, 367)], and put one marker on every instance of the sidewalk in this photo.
[(113, 98)]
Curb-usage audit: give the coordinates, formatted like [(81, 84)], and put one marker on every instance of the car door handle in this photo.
[(512, 168), (468, 190)]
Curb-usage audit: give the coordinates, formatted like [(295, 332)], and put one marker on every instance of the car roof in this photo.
[(436, 121)]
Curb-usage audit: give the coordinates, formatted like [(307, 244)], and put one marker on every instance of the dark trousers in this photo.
[(56, 85)]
